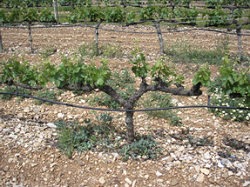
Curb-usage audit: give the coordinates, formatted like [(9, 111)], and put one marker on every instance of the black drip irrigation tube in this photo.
[(123, 110)]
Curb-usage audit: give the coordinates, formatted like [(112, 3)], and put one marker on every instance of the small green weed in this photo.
[(190, 53), (160, 100), (112, 51), (47, 51), (103, 100), (121, 79), (219, 99), (45, 94), (223, 44), (101, 136), (106, 50), (76, 136), (144, 147), (12, 89)]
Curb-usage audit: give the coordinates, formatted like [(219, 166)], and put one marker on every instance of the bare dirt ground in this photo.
[(29, 155)]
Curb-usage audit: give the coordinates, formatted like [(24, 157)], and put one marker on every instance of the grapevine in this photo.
[(76, 75)]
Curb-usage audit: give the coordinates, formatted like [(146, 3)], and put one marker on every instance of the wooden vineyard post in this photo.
[(30, 37), (238, 31), (1, 44), (55, 10), (96, 37), (157, 26)]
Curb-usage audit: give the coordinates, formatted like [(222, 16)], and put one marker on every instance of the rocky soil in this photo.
[(205, 151)]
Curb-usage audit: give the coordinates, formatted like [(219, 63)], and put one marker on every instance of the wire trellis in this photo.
[(124, 110)]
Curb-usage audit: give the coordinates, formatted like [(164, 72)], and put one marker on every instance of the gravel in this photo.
[(30, 157)]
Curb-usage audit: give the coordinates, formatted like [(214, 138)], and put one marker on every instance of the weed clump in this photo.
[(102, 136), (45, 94), (11, 89), (159, 100), (144, 147), (106, 50)]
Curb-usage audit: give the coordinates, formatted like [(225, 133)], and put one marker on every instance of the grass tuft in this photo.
[(105, 50), (160, 100)]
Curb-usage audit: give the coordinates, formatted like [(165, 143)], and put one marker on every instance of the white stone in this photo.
[(174, 101), (208, 166), (246, 183), (205, 171), (115, 155), (133, 184), (20, 115), (17, 130), (26, 109), (127, 180), (220, 164), (69, 117), (180, 104), (102, 180), (82, 101), (158, 174), (238, 174), (51, 125), (182, 148), (160, 180), (33, 164), (207, 155), (197, 168), (60, 115), (200, 178)]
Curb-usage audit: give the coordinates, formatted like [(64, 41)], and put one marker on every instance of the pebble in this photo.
[(168, 159), (182, 148), (174, 182), (146, 177), (204, 171), (200, 178), (197, 168), (102, 180), (51, 125), (26, 109), (225, 175), (220, 164), (158, 174), (246, 183), (60, 116), (33, 164), (207, 155), (127, 180), (80, 162), (134, 183)]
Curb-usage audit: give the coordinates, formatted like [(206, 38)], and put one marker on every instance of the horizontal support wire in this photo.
[(132, 32), (142, 4), (123, 110)]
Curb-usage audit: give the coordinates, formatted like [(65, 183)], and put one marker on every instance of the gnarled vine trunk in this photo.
[(130, 126)]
